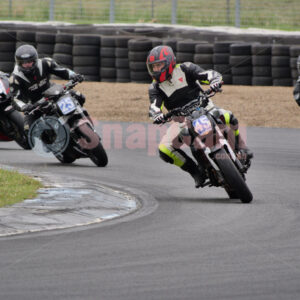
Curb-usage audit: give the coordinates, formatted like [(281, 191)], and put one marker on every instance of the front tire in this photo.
[(237, 186), (65, 158), (98, 156)]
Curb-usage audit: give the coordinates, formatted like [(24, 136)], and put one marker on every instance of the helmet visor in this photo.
[(156, 67), (27, 64)]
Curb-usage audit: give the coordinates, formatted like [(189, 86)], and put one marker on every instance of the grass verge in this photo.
[(16, 187)]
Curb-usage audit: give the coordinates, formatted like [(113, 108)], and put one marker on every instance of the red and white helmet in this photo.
[(165, 55)]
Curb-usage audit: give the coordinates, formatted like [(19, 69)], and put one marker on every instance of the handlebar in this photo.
[(180, 110), (70, 84)]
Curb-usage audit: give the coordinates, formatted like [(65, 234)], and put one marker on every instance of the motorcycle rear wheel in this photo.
[(237, 186)]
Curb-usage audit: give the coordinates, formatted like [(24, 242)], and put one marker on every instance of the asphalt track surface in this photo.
[(182, 244)]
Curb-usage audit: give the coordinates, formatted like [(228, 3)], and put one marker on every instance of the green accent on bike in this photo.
[(177, 161), (236, 132)]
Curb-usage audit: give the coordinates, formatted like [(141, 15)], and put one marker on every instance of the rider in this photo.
[(297, 85), (31, 77), (175, 85)]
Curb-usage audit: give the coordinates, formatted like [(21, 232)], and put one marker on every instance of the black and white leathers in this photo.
[(29, 88), (181, 88)]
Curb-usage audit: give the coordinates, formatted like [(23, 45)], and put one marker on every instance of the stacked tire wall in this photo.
[(63, 50), (117, 55), (221, 54), (86, 56), (261, 63), (122, 60), (7, 50), (137, 53)]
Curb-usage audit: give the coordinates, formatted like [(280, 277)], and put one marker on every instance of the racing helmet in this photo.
[(26, 54), (164, 55)]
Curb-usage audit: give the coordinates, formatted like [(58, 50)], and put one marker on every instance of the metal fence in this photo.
[(274, 14)]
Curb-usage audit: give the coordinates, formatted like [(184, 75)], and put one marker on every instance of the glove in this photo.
[(158, 118), (27, 107), (80, 97), (77, 77), (215, 85)]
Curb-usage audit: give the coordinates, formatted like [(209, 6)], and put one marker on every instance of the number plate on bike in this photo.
[(66, 105), (202, 125)]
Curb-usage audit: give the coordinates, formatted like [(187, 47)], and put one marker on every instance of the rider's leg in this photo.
[(230, 120), (169, 151), (28, 120)]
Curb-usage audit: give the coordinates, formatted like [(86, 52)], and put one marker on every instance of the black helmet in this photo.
[(26, 54), (161, 54)]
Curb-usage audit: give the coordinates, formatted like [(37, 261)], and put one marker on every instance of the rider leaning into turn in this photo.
[(31, 77), (297, 85), (175, 85)]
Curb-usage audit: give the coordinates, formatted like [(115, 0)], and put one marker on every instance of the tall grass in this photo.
[(275, 14)]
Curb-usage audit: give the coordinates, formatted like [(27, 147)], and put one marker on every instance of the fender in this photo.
[(90, 138)]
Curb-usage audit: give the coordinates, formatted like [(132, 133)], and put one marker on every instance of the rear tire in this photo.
[(98, 156), (17, 122), (237, 186), (22, 141)]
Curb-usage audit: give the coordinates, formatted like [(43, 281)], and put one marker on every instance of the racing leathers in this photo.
[(28, 88), (180, 89), (296, 91)]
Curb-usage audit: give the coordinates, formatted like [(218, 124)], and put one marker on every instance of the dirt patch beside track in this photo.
[(253, 105)]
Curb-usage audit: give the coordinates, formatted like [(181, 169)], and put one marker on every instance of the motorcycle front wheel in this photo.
[(237, 186), (65, 158), (98, 156)]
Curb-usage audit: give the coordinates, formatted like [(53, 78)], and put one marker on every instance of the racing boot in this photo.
[(243, 152), (195, 171)]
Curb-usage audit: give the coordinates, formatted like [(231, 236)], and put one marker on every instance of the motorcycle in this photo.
[(63, 128), (211, 147), (11, 121)]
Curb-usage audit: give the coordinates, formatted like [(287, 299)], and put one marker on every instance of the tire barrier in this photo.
[(294, 54), (45, 43), (280, 62), (25, 37), (137, 53), (107, 54), (241, 63), (221, 54), (86, 56), (7, 50), (122, 60), (63, 49), (118, 54)]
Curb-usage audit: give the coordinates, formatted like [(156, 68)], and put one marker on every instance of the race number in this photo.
[(66, 105), (202, 125)]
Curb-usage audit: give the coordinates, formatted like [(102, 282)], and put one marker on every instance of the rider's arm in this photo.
[(205, 77), (55, 69), (156, 101), (15, 91), (296, 91)]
